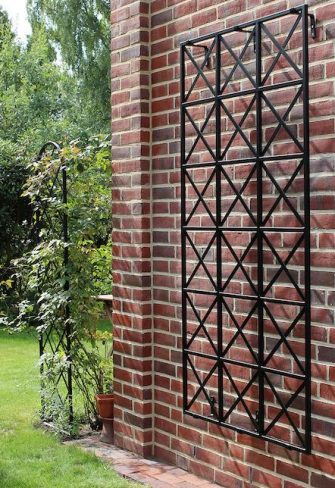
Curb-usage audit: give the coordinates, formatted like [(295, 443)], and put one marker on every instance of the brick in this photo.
[(165, 425), (292, 471), (266, 479), (253, 457), (157, 5), (228, 481), (321, 481), (208, 457), (202, 470), (325, 12), (189, 434), (326, 354), (181, 446), (231, 8), (321, 127), (290, 484), (161, 18), (327, 392), (327, 240), (204, 17), (185, 8)]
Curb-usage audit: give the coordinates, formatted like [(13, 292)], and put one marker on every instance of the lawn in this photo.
[(30, 457)]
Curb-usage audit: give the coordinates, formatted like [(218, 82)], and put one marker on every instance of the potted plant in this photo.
[(104, 397)]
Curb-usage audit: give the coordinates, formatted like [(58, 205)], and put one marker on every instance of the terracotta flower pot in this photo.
[(105, 405)]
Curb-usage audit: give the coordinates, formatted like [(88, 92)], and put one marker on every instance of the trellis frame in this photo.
[(258, 27)]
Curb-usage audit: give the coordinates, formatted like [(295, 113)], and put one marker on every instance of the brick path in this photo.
[(150, 472)]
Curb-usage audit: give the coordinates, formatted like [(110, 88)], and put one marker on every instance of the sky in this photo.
[(17, 13)]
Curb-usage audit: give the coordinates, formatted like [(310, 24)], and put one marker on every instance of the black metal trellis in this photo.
[(56, 340), (246, 310)]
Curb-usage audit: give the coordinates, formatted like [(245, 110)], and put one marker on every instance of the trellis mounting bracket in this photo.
[(313, 25)]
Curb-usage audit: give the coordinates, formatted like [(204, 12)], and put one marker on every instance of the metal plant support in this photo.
[(56, 340), (246, 228)]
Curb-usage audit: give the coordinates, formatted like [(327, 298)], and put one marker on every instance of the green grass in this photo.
[(33, 458)]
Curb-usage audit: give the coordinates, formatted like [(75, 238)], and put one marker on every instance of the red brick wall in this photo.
[(146, 254)]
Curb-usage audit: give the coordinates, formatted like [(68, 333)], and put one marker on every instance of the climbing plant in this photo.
[(58, 294)]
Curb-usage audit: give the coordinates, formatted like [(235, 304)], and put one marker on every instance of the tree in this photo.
[(80, 31), (37, 98)]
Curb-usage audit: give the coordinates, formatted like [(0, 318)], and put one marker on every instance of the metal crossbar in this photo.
[(244, 370)]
